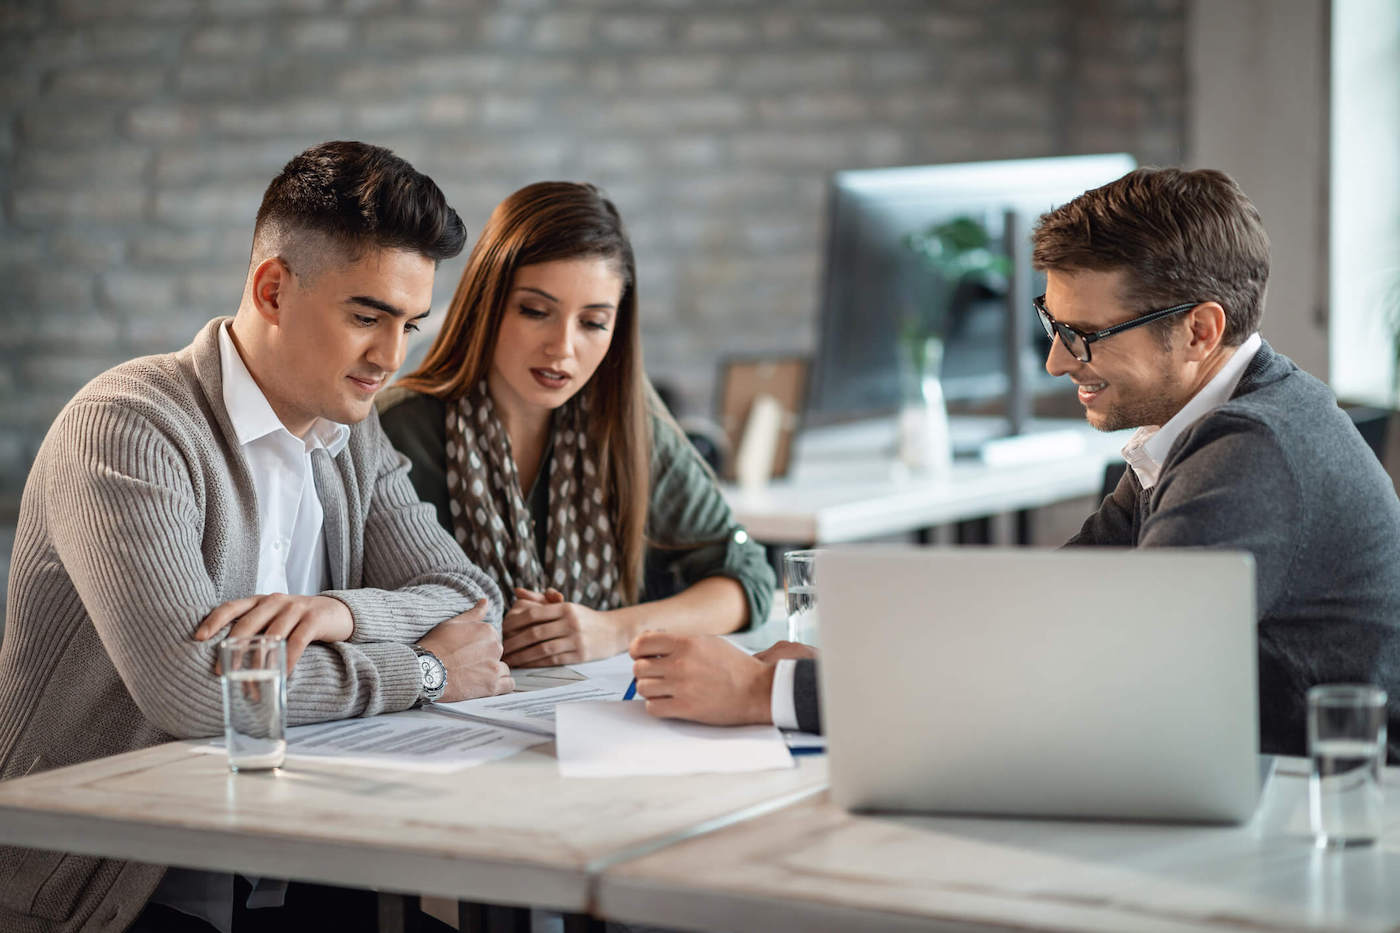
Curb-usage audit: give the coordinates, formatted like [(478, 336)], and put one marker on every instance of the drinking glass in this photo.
[(799, 586), (1346, 742), (254, 675)]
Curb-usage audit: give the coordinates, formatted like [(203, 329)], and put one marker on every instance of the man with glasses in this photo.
[(1154, 291)]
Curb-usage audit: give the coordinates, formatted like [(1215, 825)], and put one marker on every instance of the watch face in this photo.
[(434, 676)]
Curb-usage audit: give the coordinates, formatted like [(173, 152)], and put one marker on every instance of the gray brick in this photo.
[(632, 31), (728, 30), (64, 125), (829, 150), (561, 31), (164, 122), (209, 205), (542, 72), (157, 248), (320, 35), (148, 293), (316, 118), (848, 28), (228, 40), (418, 32), (679, 73), (72, 205), (21, 249), (950, 26), (912, 67), (802, 70), (84, 11), (228, 161), (502, 29), (663, 114), (162, 333), (118, 82), (125, 42), (500, 110), (218, 79), (112, 164), (814, 108), (88, 249)]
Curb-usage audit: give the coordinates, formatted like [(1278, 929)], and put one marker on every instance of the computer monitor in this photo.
[(872, 276)]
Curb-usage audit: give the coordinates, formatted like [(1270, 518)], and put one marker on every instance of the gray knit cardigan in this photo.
[(138, 518)]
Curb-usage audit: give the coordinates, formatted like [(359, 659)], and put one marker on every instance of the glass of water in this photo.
[(254, 675), (800, 587), (1346, 742)]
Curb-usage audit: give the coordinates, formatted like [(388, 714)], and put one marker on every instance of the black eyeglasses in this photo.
[(1077, 341)]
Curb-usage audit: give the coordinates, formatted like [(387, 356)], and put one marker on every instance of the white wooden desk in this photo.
[(507, 832), (814, 867), (845, 486)]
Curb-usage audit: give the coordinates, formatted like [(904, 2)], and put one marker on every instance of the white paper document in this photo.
[(413, 740), (617, 738), (532, 711)]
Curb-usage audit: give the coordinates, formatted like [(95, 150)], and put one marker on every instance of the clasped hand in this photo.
[(543, 630), (468, 648)]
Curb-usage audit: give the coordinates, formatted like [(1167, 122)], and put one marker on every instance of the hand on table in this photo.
[(298, 619), (703, 678), (470, 649), (543, 630)]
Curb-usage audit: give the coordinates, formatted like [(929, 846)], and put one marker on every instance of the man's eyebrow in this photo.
[(384, 306)]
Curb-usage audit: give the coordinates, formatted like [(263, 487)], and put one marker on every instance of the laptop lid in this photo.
[(1076, 683)]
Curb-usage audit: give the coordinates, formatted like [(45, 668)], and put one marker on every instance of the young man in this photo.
[(239, 485), (1154, 291)]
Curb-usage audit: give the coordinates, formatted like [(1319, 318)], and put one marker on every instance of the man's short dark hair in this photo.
[(355, 196), (1178, 235)]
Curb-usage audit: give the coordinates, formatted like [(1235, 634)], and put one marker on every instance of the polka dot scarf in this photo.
[(493, 524)]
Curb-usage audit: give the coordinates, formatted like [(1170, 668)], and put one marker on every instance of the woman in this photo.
[(532, 429)]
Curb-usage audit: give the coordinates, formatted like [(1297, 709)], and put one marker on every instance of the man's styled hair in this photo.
[(350, 197), (1178, 235)]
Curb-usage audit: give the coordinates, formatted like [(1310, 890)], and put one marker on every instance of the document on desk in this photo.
[(532, 711), (619, 738), (413, 740)]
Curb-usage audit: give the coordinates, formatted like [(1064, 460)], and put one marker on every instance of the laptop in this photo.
[(1085, 683)]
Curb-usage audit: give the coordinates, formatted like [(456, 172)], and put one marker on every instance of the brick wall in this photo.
[(136, 137)]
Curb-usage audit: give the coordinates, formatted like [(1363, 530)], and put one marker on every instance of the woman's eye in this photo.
[(595, 325), (533, 312)]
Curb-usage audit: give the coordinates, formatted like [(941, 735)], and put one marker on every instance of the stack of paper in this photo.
[(611, 739)]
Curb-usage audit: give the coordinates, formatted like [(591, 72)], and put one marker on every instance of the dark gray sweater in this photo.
[(1280, 471)]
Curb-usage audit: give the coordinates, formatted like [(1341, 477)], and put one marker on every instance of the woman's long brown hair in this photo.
[(544, 222)]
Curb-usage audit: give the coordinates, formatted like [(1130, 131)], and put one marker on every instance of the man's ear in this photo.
[(271, 281), (1206, 323)]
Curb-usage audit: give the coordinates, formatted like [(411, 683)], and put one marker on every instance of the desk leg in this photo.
[(399, 913), (492, 918), (582, 923)]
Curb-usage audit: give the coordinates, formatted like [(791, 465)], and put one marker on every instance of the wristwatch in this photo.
[(434, 675)]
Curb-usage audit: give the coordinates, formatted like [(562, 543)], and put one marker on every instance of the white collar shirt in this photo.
[(291, 545), (1149, 445)]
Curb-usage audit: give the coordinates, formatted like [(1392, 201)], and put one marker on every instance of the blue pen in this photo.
[(631, 690)]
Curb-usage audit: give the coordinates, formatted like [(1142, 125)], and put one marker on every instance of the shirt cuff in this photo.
[(782, 706)]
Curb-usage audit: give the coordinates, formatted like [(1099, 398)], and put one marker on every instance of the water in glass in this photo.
[(254, 718), (802, 614), (1345, 793)]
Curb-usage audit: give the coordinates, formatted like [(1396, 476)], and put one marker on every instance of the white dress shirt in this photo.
[(1149, 445), (291, 546), (782, 706), (291, 559)]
